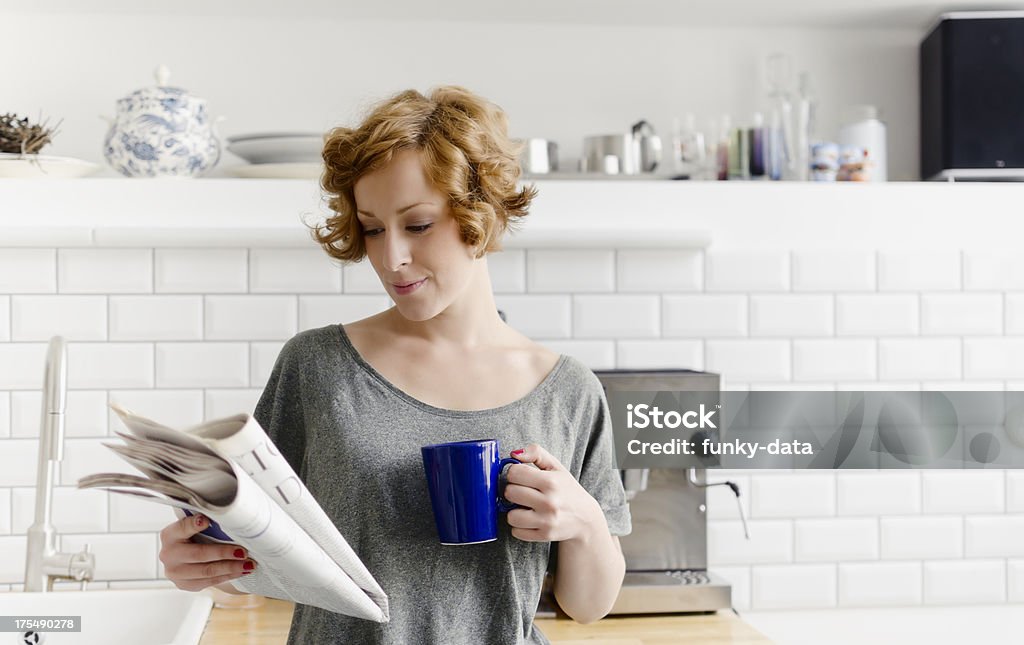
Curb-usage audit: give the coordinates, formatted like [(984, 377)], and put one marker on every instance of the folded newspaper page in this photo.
[(230, 471)]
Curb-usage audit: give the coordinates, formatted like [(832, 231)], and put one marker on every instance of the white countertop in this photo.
[(566, 214)]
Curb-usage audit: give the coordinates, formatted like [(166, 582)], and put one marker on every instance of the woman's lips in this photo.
[(408, 287)]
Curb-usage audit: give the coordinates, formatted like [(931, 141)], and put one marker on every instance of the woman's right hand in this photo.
[(191, 566)]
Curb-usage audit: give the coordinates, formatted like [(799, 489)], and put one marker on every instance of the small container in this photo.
[(863, 130), (824, 161)]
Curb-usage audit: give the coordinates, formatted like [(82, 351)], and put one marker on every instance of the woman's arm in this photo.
[(558, 509), (590, 572)]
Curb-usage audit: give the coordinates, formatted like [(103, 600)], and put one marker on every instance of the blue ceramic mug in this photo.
[(462, 478)]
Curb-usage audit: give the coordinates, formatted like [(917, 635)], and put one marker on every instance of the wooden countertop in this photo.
[(268, 625)]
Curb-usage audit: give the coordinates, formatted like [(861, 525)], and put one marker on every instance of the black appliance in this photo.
[(972, 97)]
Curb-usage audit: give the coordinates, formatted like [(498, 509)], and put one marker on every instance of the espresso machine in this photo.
[(666, 552)]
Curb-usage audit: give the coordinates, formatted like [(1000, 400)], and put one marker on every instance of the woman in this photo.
[(424, 189)]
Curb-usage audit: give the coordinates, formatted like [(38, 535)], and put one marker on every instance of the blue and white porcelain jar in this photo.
[(161, 132)]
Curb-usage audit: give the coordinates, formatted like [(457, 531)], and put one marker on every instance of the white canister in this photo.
[(863, 130)]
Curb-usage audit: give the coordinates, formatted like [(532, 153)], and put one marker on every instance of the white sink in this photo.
[(115, 617)]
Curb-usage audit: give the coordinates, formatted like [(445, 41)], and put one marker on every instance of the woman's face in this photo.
[(412, 240)]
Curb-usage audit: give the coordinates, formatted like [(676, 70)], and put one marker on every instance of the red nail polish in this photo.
[(248, 566), (246, 573), (239, 554), (518, 452), (199, 520)]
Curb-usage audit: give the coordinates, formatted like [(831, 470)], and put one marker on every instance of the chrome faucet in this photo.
[(43, 563)]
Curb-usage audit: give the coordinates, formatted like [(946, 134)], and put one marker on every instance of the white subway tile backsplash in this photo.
[(958, 491), (595, 354), (1014, 491), (5, 414), (156, 318), (360, 277), (618, 316), (110, 365), (919, 358), (579, 271), (173, 408), (293, 271), (807, 586), (993, 358), (223, 403), (28, 270), (538, 316), (998, 536), (105, 270), (508, 271), (653, 271), (880, 584), (206, 364), (919, 270), (877, 315), (954, 314), (704, 316), (130, 514), (250, 317), (201, 270), (747, 270), (321, 311), (88, 456), (921, 538), (660, 354), (18, 462), (262, 357), (836, 539), (964, 582), (833, 270), (119, 556), (5, 318), (1014, 320), (749, 360), (21, 366), (1015, 580), (878, 493), (5, 511), (992, 270), (12, 559), (74, 510), (770, 541), (739, 582), (791, 315), (804, 494), (84, 416), (834, 360), (73, 317)]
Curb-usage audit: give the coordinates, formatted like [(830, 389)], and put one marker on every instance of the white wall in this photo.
[(557, 81)]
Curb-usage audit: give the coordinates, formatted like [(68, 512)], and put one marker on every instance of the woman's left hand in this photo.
[(557, 507)]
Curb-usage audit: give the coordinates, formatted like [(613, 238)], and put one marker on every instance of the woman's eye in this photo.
[(419, 228), (371, 232)]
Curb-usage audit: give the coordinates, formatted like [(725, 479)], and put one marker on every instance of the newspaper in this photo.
[(230, 471)]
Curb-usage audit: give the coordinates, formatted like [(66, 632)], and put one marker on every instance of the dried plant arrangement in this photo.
[(22, 137)]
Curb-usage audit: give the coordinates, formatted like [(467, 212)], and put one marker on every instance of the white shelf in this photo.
[(566, 214)]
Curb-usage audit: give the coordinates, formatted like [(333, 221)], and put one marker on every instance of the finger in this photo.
[(194, 552), (184, 528), (528, 535), (524, 475), (199, 585), (206, 570), (524, 496), (522, 518), (535, 454)]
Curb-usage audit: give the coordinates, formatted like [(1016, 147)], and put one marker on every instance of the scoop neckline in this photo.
[(541, 387)]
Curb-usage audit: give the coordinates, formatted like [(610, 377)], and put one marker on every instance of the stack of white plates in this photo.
[(44, 166), (277, 155)]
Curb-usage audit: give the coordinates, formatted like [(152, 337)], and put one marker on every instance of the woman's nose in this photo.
[(396, 251)]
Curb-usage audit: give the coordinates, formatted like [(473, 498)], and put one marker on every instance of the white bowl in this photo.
[(277, 147)]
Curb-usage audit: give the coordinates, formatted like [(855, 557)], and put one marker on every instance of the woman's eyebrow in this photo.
[(400, 210)]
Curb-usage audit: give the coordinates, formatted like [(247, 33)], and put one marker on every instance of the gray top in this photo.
[(355, 440)]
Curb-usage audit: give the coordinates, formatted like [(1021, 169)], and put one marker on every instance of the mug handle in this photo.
[(504, 506)]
